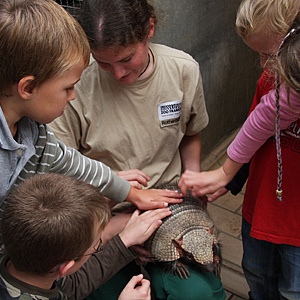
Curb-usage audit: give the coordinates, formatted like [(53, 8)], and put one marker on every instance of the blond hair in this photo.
[(254, 16), (38, 38)]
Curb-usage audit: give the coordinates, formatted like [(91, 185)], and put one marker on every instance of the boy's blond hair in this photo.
[(255, 16), (38, 38)]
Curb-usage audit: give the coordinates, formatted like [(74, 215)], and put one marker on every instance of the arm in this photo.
[(97, 270), (260, 125), (238, 181), (115, 255), (190, 149), (70, 162)]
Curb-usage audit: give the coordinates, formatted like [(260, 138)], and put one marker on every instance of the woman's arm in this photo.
[(190, 149)]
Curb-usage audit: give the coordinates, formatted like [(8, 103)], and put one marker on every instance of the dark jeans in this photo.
[(272, 270)]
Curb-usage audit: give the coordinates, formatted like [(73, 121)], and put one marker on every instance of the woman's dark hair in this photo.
[(114, 23)]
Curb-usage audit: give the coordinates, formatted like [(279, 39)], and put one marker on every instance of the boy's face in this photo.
[(266, 44), (81, 260), (51, 98)]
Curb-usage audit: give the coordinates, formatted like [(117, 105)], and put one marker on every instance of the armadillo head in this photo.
[(199, 243)]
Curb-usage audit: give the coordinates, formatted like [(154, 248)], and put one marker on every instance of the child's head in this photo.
[(263, 23), (50, 219), (37, 38), (289, 56)]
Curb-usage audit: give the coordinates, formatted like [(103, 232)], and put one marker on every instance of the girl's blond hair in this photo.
[(255, 16)]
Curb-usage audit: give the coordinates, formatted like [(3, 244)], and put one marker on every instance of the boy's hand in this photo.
[(153, 198), (141, 225), (135, 177), (136, 289)]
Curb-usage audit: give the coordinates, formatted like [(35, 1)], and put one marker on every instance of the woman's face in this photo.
[(124, 63)]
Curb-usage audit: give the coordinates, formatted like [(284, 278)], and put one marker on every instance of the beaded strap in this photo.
[(277, 125), (278, 146)]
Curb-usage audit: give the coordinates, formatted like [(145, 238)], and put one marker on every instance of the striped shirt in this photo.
[(37, 151)]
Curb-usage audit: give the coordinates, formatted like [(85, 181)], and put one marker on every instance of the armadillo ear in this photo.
[(177, 243)]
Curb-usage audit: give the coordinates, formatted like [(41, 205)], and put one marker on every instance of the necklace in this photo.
[(146, 66)]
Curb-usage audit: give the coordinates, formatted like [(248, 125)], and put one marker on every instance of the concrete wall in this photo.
[(206, 30)]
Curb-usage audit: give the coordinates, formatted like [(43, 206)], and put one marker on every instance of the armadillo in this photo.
[(186, 238)]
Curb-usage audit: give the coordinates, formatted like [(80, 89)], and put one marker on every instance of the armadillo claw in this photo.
[(217, 270), (182, 271)]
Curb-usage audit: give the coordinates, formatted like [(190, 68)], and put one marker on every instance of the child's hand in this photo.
[(141, 225), (136, 289), (152, 198), (219, 193), (202, 183), (135, 177)]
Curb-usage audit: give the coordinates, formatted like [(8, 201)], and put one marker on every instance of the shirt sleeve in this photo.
[(194, 88), (260, 125), (70, 162), (99, 268)]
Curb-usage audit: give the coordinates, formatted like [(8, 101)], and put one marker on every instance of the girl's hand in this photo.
[(141, 225), (136, 289), (136, 178), (152, 198), (202, 183)]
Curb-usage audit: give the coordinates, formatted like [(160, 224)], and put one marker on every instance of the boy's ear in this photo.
[(25, 87), (65, 267), (151, 29)]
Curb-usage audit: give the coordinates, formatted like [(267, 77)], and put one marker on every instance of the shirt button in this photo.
[(19, 152)]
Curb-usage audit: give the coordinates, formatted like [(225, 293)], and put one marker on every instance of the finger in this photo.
[(134, 175), (170, 193), (145, 285), (135, 280), (198, 193), (183, 187), (156, 214), (135, 184), (219, 193)]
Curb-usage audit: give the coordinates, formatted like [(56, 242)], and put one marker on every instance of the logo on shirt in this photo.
[(169, 113), (290, 138)]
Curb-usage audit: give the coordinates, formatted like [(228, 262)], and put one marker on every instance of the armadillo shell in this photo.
[(186, 215)]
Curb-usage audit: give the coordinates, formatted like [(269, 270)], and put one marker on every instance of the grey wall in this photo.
[(206, 30)]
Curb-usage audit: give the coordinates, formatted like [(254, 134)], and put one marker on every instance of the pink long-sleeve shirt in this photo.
[(260, 124)]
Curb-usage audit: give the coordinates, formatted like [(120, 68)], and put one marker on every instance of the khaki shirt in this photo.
[(141, 125)]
